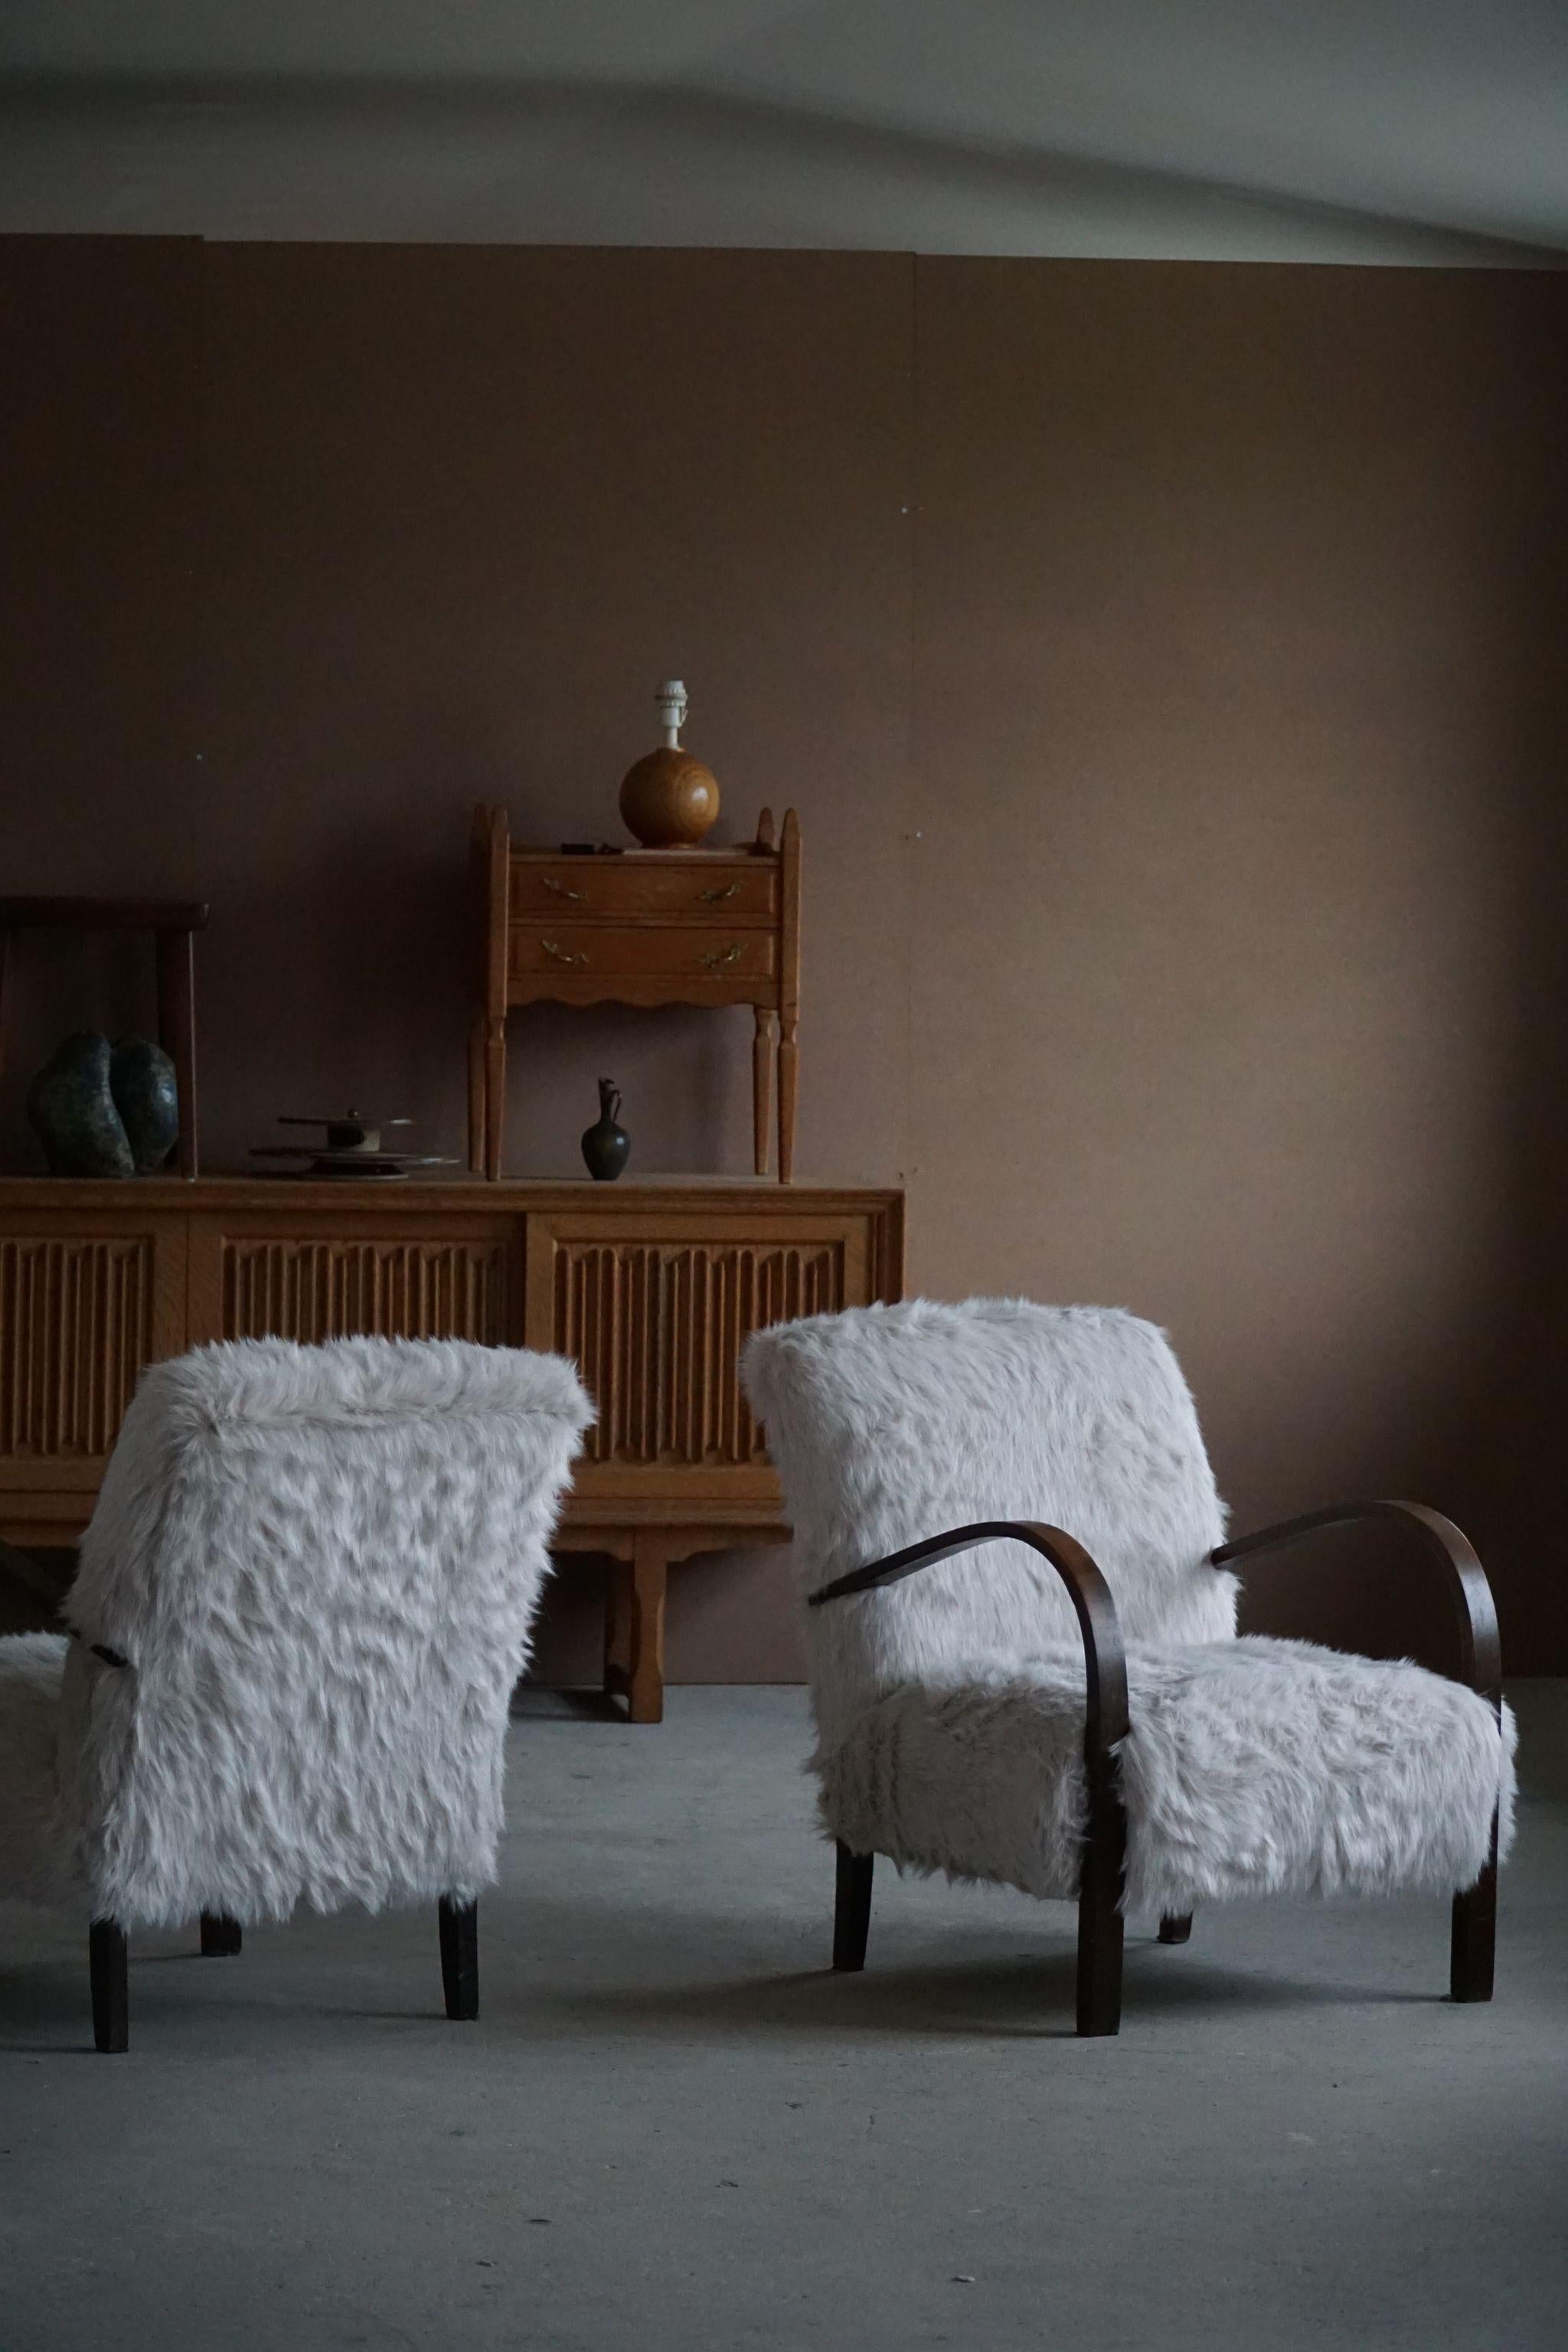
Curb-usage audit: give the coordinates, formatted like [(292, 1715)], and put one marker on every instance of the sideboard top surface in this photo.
[(422, 1195)]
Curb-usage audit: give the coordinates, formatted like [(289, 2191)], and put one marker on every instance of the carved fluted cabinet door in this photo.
[(325, 1269), (87, 1296), (654, 1304)]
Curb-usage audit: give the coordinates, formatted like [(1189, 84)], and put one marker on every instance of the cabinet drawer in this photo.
[(648, 951), (743, 889)]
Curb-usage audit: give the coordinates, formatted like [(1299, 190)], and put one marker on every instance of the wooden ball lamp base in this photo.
[(669, 800)]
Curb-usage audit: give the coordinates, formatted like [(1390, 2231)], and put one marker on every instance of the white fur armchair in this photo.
[(301, 1606), (1067, 1708)]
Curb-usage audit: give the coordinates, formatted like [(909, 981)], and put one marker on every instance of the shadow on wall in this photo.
[(1172, 694), (1514, 1395), (338, 969)]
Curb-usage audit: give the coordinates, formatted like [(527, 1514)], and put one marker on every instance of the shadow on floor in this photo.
[(1031, 1997), (981, 1997)]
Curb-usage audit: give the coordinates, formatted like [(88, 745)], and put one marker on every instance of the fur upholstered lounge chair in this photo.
[(301, 1606), (1021, 1633)]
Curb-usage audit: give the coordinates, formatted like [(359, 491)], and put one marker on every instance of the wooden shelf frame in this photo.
[(173, 924), (640, 927)]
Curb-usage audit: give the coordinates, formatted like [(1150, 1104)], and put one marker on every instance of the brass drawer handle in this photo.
[(719, 959), (558, 954), (720, 892), (561, 889)]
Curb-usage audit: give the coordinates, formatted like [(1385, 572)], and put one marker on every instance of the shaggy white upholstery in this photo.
[(37, 1849), (949, 1706), (321, 1565)]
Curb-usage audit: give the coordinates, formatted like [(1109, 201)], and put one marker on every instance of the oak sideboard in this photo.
[(651, 1286)]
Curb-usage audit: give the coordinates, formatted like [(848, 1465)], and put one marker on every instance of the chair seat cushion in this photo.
[(1253, 1767), (36, 1856)]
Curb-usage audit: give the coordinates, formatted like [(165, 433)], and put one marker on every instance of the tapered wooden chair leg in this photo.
[(1099, 1925), (221, 1936), (1472, 1950), (1099, 1942), (107, 1965), (460, 1957), (851, 1907), (1175, 1926)]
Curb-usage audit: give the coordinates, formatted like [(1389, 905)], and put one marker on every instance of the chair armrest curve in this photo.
[(1443, 1544), (1105, 1658)]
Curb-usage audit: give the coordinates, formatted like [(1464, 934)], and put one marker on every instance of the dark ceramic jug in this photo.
[(606, 1146), (147, 1096), (73, 1114)]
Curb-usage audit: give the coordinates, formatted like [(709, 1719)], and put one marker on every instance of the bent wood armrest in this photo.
[(100, 1649), (1105, 1660), (1481, 1651)]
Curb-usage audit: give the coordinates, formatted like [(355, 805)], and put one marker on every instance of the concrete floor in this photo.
[(672, 2128)]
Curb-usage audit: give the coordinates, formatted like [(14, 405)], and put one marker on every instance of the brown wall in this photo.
[(1165, 660)]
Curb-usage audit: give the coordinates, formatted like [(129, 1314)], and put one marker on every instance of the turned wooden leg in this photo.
[(619, 1629), (477, 1125), (175, 956), (649, 1568), (106, 1968), (459, 1928), (495, 1095), (851, 1907), (221, 1938), (763, 1060), (789, 987), (1175, 1926), (789, 1075), (1099, 1929), (1472, 1950), (5, 971)]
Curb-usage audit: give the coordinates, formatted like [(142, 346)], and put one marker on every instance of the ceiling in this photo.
[(1353, 131)]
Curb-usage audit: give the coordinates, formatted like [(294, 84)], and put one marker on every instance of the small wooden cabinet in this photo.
[(652, 1287), (638, 927)]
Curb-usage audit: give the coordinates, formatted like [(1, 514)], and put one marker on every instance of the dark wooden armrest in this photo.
[(100, 1649), (1105, 1659), (1102, 1870), (1481, 1651)]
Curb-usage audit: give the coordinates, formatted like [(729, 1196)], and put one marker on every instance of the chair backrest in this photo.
[(321, 1565), (892, 1423)]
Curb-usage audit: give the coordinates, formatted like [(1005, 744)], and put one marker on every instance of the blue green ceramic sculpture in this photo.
[(147, 1095), (73, 1113)]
